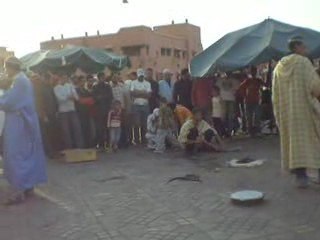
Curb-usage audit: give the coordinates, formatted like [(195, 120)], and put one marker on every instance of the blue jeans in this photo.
[(114, 135), (242, 110), (253, 117), (71, 130), (141, 113)]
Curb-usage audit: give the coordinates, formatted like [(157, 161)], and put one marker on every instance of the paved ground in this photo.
[(124, 196)]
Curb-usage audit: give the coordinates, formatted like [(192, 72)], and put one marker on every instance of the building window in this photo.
[(163, 52), (131, 51), (147, 50), (184, 54), (168, 52), (177, 53), (109, 49)]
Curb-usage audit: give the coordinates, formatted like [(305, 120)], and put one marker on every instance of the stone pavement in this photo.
[(124, 196)]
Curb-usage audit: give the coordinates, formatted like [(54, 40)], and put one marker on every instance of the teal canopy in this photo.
[(33, 59), (90, 60), (253, 45)]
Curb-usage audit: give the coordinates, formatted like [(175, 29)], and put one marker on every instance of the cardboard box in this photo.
[(80, 155)]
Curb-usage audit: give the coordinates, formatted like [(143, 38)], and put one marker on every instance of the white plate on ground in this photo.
[(247, 196)]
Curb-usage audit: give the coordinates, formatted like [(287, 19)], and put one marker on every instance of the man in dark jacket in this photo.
[(83, 106), (102, 94), (154, 98), (182, 90), (47, 109)]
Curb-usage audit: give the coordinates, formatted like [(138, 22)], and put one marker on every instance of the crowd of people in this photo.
[(54, 112), (108, 113)]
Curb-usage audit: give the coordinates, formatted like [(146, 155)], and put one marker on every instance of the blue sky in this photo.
[(25, 23)]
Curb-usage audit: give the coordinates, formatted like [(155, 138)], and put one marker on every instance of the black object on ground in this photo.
[(245, 160), (110, 179), (187, 177)]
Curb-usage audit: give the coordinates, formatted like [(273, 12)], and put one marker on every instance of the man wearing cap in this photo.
[(296, 87), (166, 86), (140, 91), (24, 158)]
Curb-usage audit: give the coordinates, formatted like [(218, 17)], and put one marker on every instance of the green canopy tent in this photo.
[(33, 59), (90, 60), (252, 45)]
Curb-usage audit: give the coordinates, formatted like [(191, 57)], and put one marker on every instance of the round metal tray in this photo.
[(247, 197)]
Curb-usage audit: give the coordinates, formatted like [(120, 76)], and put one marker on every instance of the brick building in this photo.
[(168, 46)]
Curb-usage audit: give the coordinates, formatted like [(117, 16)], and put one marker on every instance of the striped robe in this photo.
[(297, 111)]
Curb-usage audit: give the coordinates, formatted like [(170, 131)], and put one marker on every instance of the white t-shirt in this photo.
[(217, 107), (140, 86), (228, 88)]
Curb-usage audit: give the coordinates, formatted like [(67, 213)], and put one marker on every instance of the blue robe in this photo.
[(23, 154)]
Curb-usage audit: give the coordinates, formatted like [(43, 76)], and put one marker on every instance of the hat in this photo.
[(140, 72), (166, 71), (13, 62), (156, 112)]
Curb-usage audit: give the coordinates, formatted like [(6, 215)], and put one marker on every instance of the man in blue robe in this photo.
[(23, 154)]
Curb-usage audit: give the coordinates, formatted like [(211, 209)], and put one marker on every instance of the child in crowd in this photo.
[(166, 127), (152, 126), (218, 111), (197, 135), (114, 125)]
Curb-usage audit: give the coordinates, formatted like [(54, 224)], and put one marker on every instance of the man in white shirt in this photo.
[(66, 96), (228, 87), (140, 91), (166, 86)]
